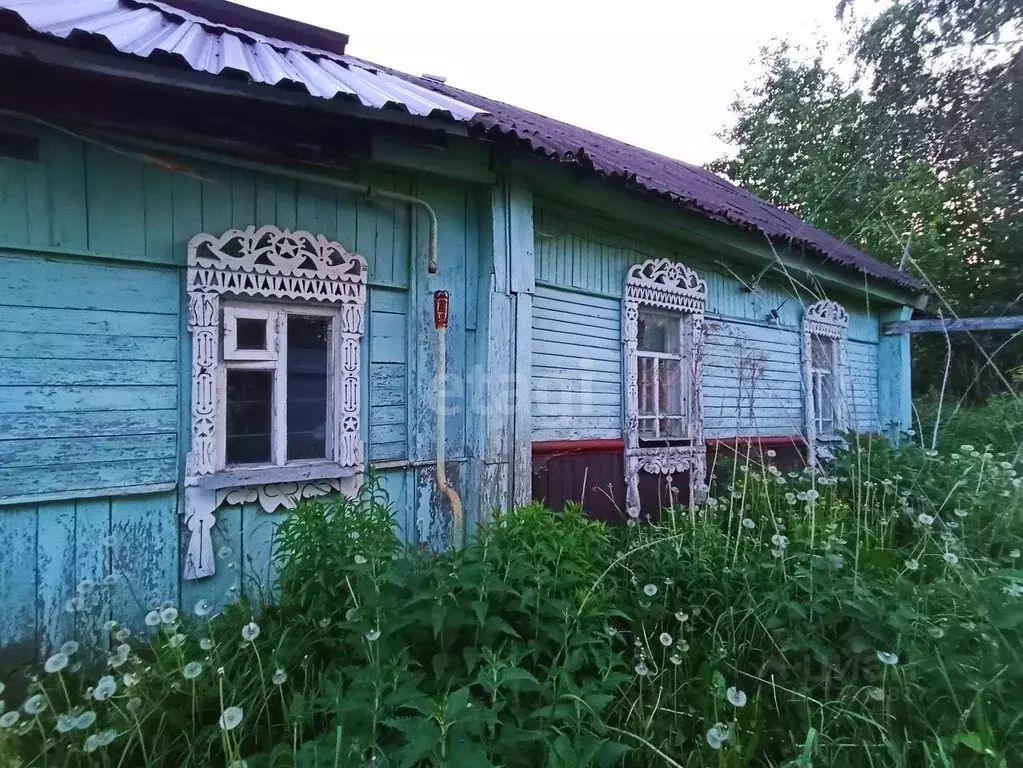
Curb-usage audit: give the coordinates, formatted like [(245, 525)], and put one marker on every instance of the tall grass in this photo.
[(869, 616)]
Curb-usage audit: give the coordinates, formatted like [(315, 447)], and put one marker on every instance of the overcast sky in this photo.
[(656, 74)]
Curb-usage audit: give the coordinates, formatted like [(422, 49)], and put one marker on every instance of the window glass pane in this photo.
[(251, 332), (249, 409), (658, 332), (821, 352), (308, 342)]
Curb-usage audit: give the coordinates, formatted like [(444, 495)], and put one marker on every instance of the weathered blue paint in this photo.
[(895, 403), (95, 356), (752, 380)]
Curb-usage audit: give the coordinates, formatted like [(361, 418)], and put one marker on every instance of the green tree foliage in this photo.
[(924, 142)]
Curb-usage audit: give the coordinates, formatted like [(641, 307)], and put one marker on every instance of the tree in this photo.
[(925, 142)]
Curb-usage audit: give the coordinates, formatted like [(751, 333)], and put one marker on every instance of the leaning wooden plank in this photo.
[(954, 325)]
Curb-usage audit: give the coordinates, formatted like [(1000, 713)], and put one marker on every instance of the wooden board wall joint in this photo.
[(90, 493)]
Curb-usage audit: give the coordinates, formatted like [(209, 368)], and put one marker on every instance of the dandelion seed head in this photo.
[(360, 560), (152, 618), (736, 697), (106, 687), (250, 632), (717, 736), (7, 719), (176, 640), (35, 705), (682, 617), (65, 723), (56, 663), (280, 677), (373, 635), (106, 736), (924, 519), (885, 657), (1014, 554), (203, 608), (951, 558), (875, 693), (650, 590), (641, 669), (666, 639), (129, 679), (91, 743), (192, 670), (206, 644), (912, 564), (771, 453), (122, 634), (748, 524), (231, 717), (85, 720), (169, 614)]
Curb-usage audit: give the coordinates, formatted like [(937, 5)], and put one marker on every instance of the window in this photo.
[(824, 329), (276, 321), (277, 368), (663, 313), (822, 371), (661, 376)]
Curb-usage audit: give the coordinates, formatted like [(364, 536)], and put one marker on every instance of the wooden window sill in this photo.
[(294, 473)]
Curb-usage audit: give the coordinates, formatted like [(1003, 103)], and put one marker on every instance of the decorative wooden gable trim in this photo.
[(665, 285), (275, 264), (827, 319)]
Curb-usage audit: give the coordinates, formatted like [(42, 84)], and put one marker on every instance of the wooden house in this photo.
[(239, 267)]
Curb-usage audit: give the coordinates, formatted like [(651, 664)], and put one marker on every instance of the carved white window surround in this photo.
[(824, 331), (674, 289), (299, 269)]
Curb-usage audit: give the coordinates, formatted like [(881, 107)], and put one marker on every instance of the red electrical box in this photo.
[(441, 309)]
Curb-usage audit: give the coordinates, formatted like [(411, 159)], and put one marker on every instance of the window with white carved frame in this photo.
[(663, 308), (824, 331), (276, 320)]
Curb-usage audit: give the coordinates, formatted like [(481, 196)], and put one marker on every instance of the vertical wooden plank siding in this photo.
[(895, 404), (94, 399)]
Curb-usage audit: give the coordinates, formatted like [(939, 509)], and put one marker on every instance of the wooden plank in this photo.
[(13, 211), (48, 452), (567, 429), (21, 319), (31, 279), (555, 359), (571, 382), (116, 202), (92, 526), (144, 555), (258, 571), (386, 451), (387, 384), (82, 399), (19, 481), (69, 222), (36, 372), (18, 532), (19, 426), (56, 574), (954, 325), (562, 374), (64, 494), (565, 350), (387, 414), (81, 347)]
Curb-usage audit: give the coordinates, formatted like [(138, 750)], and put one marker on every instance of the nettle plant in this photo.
[(867, 614)]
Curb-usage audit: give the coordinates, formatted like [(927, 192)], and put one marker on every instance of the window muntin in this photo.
[(278, 406), (661, 376)]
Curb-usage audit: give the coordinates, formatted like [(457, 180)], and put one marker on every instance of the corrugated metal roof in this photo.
[(149, 29), (153, 29)]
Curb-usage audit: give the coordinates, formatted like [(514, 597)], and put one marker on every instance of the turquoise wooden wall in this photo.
[(95, 366), (752, 380)]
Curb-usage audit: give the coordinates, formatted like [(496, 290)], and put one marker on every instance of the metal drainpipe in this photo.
[(441, 311)]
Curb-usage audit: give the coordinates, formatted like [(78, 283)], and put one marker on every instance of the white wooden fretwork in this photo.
[(828, 320), (667, 286), (265, 263)]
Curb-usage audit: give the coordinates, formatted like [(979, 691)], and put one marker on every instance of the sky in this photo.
[(659, 75)]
